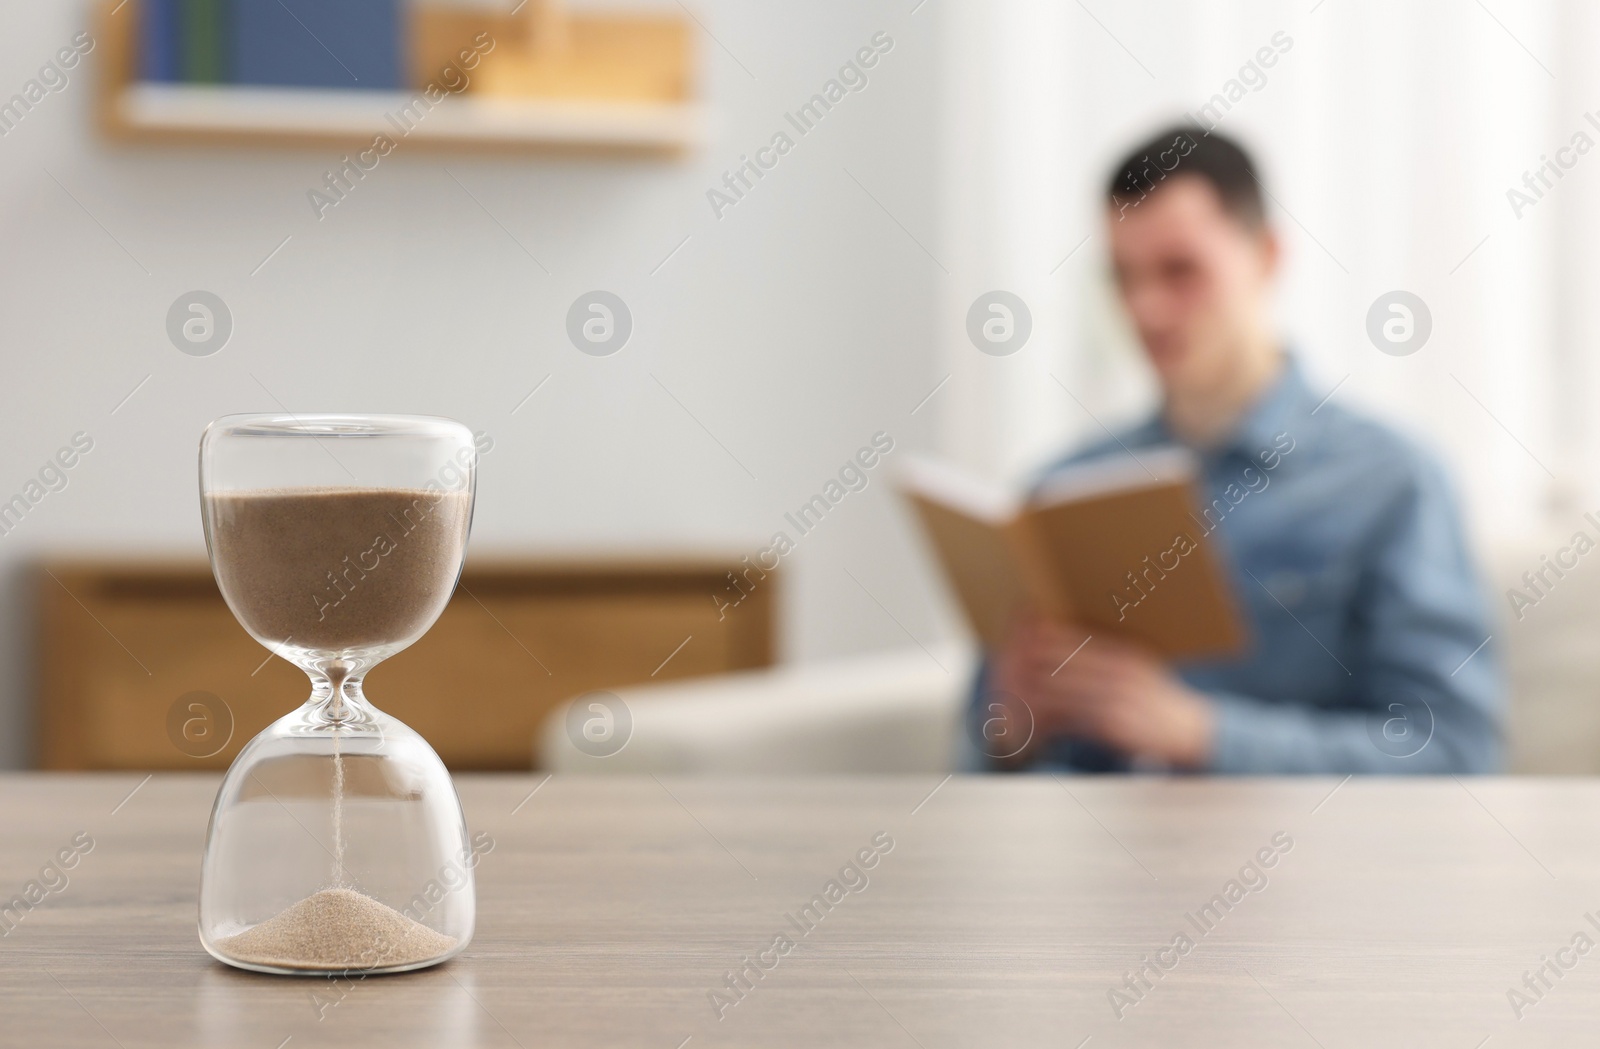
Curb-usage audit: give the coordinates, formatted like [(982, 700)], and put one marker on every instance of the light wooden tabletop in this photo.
[(1006, 913)]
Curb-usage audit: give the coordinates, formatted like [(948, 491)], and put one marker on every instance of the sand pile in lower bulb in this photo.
[(337, 930)]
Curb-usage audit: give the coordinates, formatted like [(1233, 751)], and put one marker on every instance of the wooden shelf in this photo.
[(554, 115), (289, 116)]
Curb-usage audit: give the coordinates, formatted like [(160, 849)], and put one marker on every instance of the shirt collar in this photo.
[(1284, 407)]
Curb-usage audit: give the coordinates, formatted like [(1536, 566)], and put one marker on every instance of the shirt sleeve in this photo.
[(1426, 694)]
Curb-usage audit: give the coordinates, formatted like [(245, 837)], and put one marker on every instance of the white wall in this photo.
[(793, 328)]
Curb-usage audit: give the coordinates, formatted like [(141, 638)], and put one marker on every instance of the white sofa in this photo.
[(899, 711)]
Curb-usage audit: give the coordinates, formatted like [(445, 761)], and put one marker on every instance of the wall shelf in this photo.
[(174, 112), (551, 97)]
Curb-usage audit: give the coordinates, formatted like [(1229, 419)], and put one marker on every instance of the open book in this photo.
[(1115, 545)]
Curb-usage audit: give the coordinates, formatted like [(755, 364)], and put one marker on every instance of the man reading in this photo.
[(1370, 635)]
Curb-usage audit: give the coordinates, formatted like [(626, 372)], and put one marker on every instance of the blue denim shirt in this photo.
[(1370, 642)]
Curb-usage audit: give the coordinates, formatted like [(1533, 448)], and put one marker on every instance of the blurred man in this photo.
[(1370, 635)]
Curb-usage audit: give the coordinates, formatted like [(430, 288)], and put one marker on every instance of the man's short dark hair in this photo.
[(1187, 150)]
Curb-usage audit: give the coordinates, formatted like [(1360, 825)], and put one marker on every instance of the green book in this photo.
[(205, 40)]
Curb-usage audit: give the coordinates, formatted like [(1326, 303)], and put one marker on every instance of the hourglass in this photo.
[(337, 842)]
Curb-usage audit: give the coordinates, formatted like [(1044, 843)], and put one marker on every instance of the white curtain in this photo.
[(1389, 134)]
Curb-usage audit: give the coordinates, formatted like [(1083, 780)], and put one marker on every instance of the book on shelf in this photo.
[(160, 47), (202, 34), (356, 44), (352, 44)]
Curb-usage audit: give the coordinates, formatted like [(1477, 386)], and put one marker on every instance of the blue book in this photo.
[(160, 45), (204, 58), (318, 43)]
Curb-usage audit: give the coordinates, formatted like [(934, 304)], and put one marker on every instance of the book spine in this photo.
[(160, 44), (1046, 588), (356, 44), (383, 23), (204, 41)]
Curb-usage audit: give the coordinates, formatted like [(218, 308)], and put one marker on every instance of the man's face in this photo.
[(1194, 280)]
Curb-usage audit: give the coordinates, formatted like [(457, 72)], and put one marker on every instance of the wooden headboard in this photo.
[(142, 666)]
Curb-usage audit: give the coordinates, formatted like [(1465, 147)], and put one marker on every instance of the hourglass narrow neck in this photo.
[(336, 696)]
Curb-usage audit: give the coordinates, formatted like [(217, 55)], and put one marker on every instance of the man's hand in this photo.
[(1104, 690)]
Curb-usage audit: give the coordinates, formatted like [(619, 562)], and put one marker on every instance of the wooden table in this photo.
[(1005, 913)]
